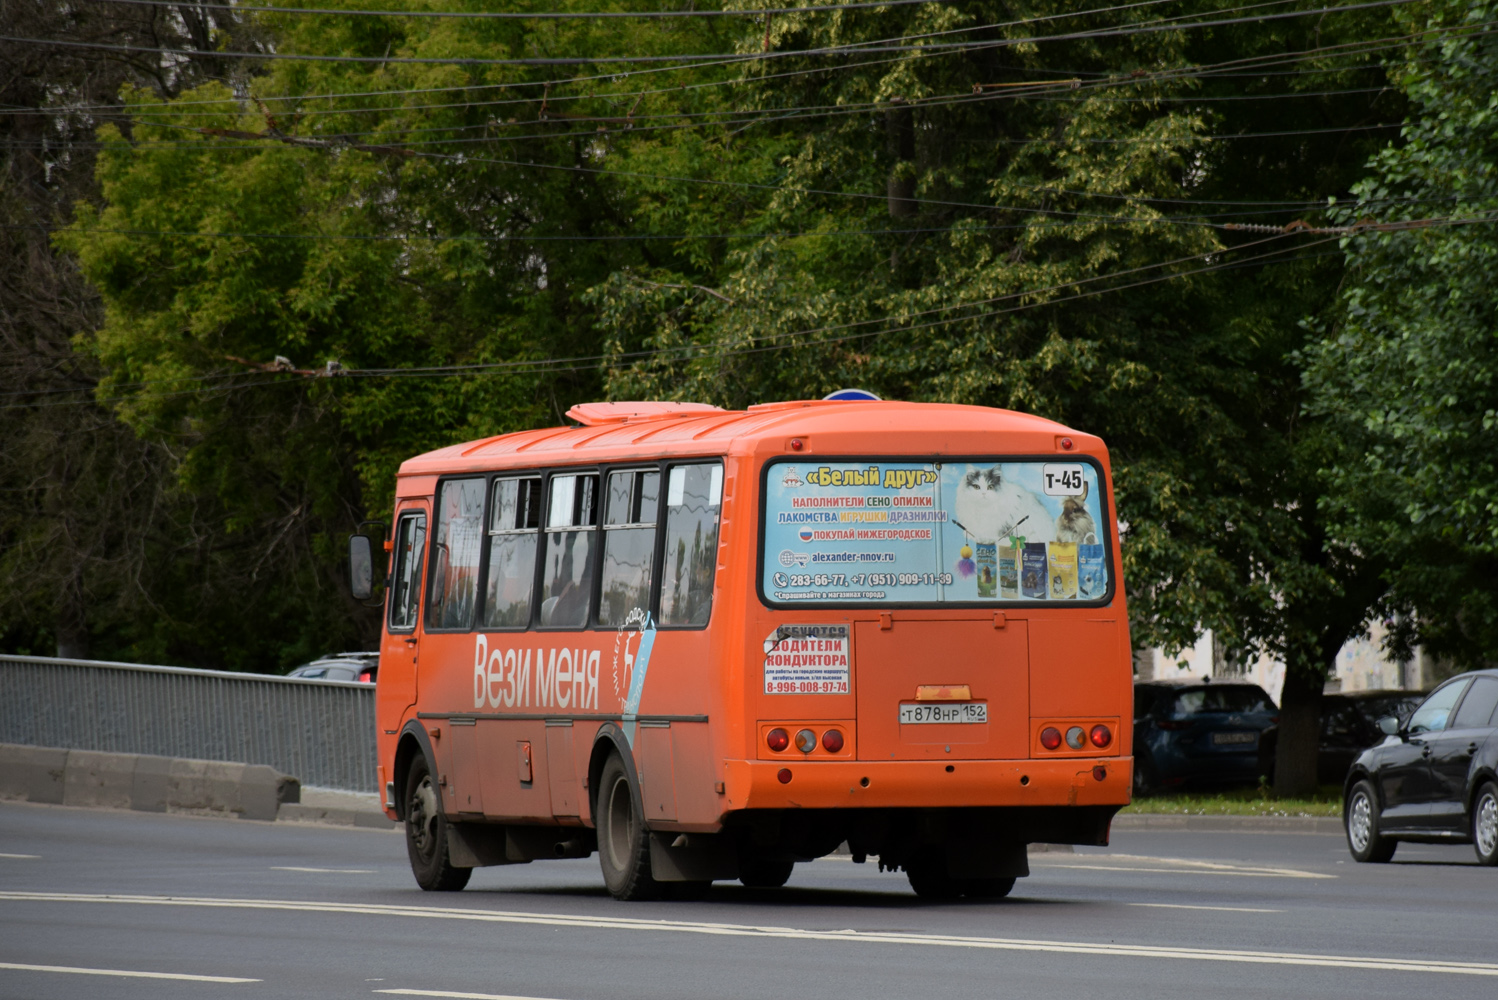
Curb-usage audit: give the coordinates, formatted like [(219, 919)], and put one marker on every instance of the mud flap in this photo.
[(692, 857)]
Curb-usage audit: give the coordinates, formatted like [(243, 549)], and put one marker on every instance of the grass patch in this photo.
[(1327, 801)]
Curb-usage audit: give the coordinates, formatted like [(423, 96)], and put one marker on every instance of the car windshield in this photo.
[(1220, 699)]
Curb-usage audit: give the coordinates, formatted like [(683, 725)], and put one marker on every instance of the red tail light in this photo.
[(783, 775), (1101, 737), (1173, 724), (832, 741), (1050, 737), (777, 739)]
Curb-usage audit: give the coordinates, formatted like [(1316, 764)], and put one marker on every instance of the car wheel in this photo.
[(426, 833), (623, 840), (1360, 821), (1485, 825), (1146, 779)]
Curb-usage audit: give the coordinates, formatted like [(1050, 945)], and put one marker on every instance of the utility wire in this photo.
[(695, 59)]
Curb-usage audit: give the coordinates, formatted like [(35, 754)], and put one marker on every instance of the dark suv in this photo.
[(1434, 778), (1198, 733)]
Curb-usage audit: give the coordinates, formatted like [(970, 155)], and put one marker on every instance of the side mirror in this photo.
[(360, 567), (1389, 725)]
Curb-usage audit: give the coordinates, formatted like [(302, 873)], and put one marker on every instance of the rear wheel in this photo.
[(623, 841), (987, 888), (759, 871), (930, 880), (1360, 820), (426, 833), (1485, 825)]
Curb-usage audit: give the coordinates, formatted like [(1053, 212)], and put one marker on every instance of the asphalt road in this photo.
[(283, 910)]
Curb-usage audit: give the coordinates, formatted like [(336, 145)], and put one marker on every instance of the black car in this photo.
[(1349, 725), (1198, 733), (362, 667), (1434, 779)]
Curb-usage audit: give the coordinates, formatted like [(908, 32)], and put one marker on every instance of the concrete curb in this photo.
[(1229, 824), (366, 818), (143, 782)]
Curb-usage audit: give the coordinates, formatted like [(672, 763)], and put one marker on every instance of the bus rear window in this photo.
[(924, 532)]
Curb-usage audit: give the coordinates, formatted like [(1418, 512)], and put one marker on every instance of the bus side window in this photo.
[(410, 543), (632, 502), (455, 557), (694, 494), (567, 577), (514, 524)]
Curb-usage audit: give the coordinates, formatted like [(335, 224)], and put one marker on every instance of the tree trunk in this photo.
[(1300, 730)]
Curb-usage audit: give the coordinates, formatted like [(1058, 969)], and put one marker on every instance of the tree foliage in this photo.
[(1408, 367)]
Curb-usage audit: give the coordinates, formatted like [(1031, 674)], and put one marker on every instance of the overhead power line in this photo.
[(721, 58), (538, 15)]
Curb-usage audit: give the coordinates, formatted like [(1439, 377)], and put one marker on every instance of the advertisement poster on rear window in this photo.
[(879, 532)]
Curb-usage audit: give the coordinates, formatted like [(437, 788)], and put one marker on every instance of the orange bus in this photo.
[(710, 644)]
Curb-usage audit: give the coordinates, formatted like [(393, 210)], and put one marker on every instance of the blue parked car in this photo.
[(1198, 733)]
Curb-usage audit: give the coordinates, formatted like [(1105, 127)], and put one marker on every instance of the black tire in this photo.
[(1146, 780), (1485, 824), (426, 833), (1360, 823), (930, 880), (623, 840), (987, 888), (760, 871)]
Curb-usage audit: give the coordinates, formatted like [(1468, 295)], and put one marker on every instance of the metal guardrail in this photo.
[(321, 732)]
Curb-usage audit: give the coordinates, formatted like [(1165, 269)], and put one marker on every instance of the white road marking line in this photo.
[(1360, 962), (331, 871), (1188, 906), (1183, 866), (31, 857), (122, 972), (461, 996)]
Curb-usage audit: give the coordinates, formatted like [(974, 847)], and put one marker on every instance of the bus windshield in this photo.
[(913, 532)]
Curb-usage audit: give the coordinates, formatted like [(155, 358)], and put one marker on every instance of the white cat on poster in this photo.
[(990, 508)]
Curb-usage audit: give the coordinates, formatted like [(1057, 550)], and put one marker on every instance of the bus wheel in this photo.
[(987, 888), (759, 871), (930, 880), (623, 841), (426, 833)]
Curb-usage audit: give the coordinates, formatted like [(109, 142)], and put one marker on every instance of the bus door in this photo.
[(395, 690)]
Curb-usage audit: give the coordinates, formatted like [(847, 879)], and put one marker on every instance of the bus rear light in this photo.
[(783, 776), (832, 741), (1075, 737), (1101, 736), (777, 739), (806, 741), (1050, 737), (1100, 773)]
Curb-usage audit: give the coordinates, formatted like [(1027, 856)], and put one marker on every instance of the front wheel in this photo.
[(1485, 825), (1360, 820), (426, 833), (623, 841)]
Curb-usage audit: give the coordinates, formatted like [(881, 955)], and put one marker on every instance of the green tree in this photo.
[(1049, 236), (1408, 366)]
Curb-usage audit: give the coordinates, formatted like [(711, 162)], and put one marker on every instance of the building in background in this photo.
[(1362, 665)]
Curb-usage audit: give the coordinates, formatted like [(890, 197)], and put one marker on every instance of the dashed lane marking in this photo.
[(1365, 963), (329, 871), (1177, 866), (1190, 906), (124, 972), (22, 857), (460, 996)]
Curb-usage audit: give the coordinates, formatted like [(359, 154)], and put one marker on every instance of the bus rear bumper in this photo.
[(823, 784)]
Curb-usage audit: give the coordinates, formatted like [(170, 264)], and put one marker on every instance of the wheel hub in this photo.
[(1360, 822), (1487, 825)]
